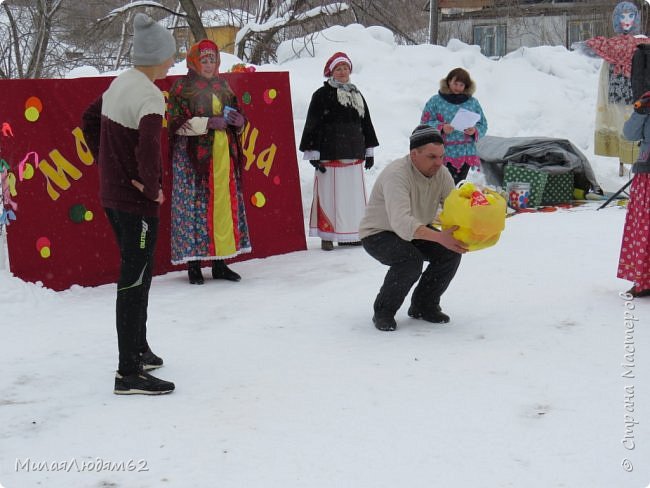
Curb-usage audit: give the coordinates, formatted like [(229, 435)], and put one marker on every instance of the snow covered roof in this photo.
[(212, 18)]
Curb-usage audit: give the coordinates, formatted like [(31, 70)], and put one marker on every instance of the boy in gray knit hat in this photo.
[(396, 230), (152, 43), (123, 130)]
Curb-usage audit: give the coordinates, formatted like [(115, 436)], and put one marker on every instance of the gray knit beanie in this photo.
[(152, 43), (424, 134)]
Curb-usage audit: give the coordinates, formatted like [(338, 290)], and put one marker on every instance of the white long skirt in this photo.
[(610, 117), (339, 201)]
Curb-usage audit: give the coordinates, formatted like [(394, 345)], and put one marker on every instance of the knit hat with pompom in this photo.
[(152, 43)]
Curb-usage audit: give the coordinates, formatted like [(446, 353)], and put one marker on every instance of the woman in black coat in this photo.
[(338, 140)]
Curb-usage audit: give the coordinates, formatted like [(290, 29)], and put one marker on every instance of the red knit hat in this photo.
[(334, 61)]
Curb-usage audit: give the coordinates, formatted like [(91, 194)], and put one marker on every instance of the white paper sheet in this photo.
[(464, 119)]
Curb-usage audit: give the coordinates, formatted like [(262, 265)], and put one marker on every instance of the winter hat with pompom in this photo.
[(152, 43)]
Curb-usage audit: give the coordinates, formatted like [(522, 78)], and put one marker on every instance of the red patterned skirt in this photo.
[(634, 261)]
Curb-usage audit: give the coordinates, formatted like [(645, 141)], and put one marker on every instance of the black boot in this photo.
[(435, 315), (326, 245), (194, 273), (384, 322), (222, 272)]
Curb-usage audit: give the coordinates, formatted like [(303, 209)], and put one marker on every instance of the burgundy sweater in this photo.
[(123, 130)]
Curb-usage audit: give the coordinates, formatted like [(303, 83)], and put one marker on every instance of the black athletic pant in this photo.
[(458, 174), (405, 259), (136, 237)]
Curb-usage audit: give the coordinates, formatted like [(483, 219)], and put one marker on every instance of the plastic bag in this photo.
[(479, 215)]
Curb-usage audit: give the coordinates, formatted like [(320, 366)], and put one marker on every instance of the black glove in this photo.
[(316, 164), (370, 161)]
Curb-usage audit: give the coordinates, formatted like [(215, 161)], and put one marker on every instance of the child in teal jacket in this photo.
[(456, 92)]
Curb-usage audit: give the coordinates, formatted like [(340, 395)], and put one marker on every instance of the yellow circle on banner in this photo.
[(273, 93), (45, 252), (89, 215), (258, 199), (32, 114), (28, 173)]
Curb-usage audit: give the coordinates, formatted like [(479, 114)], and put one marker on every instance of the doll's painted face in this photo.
[(627, 20)]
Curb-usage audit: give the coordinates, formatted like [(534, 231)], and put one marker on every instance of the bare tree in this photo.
[(275, 21), (193, 19), (25, 37), (47, 38), (404, 25)]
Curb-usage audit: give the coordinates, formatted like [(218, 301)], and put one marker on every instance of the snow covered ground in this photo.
[(539, 381)]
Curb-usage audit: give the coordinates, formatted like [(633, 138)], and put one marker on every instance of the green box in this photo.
[(559, 189), (545, 188)]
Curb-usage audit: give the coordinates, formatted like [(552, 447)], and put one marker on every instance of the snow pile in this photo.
[(282, 381)]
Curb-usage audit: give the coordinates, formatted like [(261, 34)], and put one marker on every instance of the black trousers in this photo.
[(405, 259), (458, 174), (136, 237)]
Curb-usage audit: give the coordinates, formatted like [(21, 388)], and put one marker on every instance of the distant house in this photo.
[(221, 26), (503, 26)]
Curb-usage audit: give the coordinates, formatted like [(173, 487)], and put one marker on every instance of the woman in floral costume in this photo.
[(208, 215), (634, 259)]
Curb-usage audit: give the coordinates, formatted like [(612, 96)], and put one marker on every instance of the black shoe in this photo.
[(222, 272), (150, 361), (435, 316), (384, 323), (326, 245), (141, 383), (353, 243), (194, 273)]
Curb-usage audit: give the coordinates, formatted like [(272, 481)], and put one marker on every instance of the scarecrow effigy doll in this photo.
[(614, 103)]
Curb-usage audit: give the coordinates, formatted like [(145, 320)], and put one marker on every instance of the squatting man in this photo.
[(396, 230)]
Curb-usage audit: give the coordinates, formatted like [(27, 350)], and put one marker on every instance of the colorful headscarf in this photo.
[(202, 48), (626, 8)]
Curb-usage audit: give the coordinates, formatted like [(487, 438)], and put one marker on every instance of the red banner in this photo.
[(61, 236)]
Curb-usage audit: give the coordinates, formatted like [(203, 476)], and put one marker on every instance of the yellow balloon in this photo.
[(45, 252), (32, 114)]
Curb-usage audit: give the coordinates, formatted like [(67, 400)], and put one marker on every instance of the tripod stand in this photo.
[(621, 190)]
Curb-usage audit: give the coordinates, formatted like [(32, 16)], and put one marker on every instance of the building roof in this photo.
[(526, 8)]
